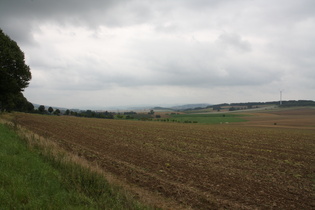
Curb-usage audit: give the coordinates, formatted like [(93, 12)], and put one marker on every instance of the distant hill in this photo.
[(188, 107), (182, 107), (283, 103)]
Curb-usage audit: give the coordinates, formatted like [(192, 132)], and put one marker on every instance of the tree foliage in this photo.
[(57, 112), (93, 114), (50, 109), (41, 109), (14, 75)]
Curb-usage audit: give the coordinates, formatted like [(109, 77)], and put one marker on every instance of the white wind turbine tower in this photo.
[(281, 97)]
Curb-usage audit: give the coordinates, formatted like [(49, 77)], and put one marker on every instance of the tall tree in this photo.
[(14, 73), (57, 112), (41, 109), (50, 109)]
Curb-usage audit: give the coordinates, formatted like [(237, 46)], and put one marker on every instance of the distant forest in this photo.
[(250, 105), (284, 103)]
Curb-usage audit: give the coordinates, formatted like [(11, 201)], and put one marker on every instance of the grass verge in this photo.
[(33, 178)]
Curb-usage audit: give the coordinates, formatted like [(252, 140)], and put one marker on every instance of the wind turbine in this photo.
[(281, 97)]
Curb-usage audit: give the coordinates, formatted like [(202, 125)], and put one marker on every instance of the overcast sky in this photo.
[(104, 53)]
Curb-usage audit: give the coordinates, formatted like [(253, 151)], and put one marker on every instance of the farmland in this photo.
[(207, 118), (266, 162)]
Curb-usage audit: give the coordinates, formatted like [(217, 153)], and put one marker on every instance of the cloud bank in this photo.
[(117, 53)]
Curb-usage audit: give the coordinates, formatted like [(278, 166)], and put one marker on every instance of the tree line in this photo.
[(251, 105)]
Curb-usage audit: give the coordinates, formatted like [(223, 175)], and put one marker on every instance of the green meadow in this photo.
[(30, 179)]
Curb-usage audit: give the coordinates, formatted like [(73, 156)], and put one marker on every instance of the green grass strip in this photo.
[(30, 180)]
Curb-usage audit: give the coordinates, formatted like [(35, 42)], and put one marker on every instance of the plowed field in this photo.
[(198, 166), (303, 118)]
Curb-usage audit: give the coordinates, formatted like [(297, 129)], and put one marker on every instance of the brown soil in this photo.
[(303, 118), (198, 166)]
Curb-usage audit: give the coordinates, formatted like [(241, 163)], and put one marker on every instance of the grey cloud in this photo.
[(22, 17), (178, 63), (233, 76), (202, 44), (234, 41), (77, 12), (45, 9)]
